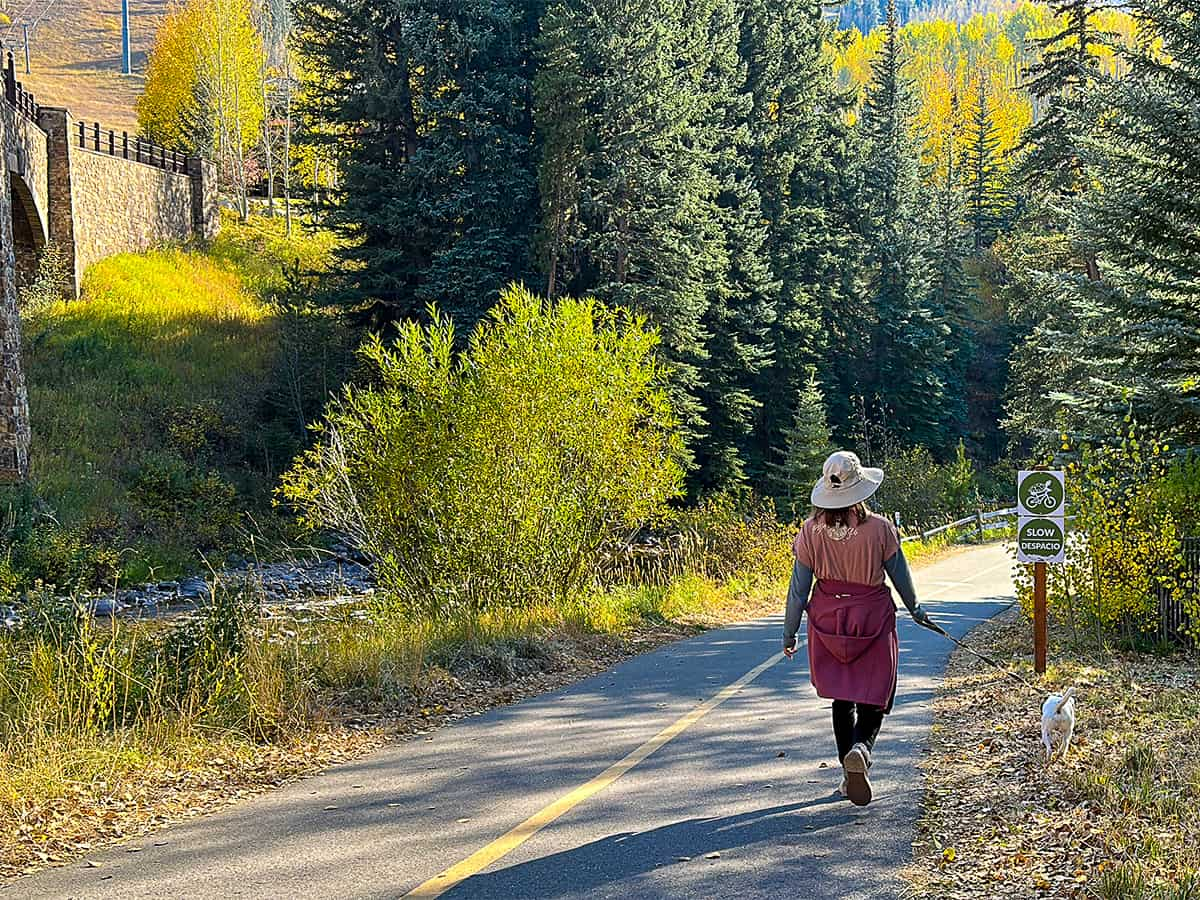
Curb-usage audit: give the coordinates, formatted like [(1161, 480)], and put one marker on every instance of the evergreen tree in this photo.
[(952, 293), (803, 159), (742, 293), (807, 442), (1136, 308), (1059, 81), (430, 103), (905, 371), (986, 202), (628, 181)]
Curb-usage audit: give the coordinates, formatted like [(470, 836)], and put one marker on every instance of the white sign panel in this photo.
[(1041, 539), (1041, 493)]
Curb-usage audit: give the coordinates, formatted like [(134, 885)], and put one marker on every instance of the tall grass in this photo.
[(161, 399), (109, 715)]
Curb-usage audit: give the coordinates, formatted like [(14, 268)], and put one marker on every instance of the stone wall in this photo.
[(14, 403), (122, 206), (102, 205)]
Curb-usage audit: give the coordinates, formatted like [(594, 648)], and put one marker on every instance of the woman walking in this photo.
[(853, 650)]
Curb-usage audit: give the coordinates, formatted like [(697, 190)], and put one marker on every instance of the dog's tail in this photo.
[(1070, 692)]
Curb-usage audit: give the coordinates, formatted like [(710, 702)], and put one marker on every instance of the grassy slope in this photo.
[(75, 55), (146, 395)]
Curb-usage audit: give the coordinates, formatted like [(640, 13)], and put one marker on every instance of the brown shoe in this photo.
[(858, 785)]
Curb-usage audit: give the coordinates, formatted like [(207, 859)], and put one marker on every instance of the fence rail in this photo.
[(92, 137), (15, 93), (983, 522)]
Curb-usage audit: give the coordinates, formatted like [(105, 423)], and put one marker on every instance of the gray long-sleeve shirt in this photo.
[(800, 589)]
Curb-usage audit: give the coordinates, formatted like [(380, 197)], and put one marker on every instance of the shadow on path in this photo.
[(616, 860)]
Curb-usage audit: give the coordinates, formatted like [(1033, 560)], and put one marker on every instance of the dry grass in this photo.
[(65, 788), (1118, 818), (75, 55)]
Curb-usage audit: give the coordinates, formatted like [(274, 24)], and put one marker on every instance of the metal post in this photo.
[(112, 139), (10, 78), (81, 137), (979, 523), (25, 32), (1039, 618), (125, 144), (126, 68)]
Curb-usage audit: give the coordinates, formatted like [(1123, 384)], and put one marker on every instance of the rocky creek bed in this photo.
[(297, 585)]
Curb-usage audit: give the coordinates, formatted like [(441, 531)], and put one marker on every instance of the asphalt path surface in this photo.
[(736, 797)]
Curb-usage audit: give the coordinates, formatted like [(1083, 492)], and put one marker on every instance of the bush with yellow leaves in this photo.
[(1124, 544)]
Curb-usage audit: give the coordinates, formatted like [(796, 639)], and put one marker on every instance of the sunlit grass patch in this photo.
[(166, 399)]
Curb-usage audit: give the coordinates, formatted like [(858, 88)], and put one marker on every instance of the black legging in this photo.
[(855, 723)]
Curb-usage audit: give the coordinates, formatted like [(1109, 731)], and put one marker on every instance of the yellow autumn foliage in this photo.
[(946, 63), (203, 85)]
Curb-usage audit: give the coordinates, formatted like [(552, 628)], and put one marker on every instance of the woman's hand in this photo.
[(789, 648), (922, 618)]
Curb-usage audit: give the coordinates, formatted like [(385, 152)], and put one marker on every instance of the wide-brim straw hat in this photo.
[(844, 481)]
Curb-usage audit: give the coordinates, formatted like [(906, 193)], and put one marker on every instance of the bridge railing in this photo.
[(92, 137), (15, 93)]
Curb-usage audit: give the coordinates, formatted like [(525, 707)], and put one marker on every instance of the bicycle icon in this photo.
[(1040, 496)]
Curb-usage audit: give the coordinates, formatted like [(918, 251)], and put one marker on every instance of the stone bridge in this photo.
[(90, 193)]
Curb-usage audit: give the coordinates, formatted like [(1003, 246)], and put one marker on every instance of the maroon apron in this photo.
[(853, 650)]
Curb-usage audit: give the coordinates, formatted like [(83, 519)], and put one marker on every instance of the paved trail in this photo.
[(721, 792)]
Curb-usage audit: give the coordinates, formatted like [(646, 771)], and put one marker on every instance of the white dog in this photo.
[(1058, 721)]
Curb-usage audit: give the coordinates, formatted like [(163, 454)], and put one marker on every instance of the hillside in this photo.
[(866, 14), (75, 54)]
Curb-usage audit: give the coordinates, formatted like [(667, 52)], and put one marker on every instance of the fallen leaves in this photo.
[(999, 822)]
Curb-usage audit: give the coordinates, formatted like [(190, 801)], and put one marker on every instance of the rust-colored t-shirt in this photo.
[(854, 553)]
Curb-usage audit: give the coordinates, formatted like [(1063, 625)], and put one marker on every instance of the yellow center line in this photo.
[(507, 843)]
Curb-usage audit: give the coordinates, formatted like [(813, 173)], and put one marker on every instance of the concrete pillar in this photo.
[(14, 401), (206, 217), (60, 214)]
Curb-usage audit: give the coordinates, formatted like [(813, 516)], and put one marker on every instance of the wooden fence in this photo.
[(135, 148), (984, 523)]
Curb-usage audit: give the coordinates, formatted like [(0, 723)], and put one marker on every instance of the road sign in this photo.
[(1041, 493), (1041, 539)]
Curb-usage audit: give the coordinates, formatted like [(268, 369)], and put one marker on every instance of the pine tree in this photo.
[(905, 371), (951, 288), (807, 442), (627, 181), (430, 107), (985, 197), (743, 293), (1138, 305), (1059, 82), (803, 159)]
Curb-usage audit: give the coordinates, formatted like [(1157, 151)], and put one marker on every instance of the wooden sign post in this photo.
[(1041, 539), (1039, 618)]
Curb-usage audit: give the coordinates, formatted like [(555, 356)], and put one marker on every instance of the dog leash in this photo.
[(934, 626)]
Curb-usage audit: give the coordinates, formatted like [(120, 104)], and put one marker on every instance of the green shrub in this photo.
[(50, 282), (494, 478), (925, 492)]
